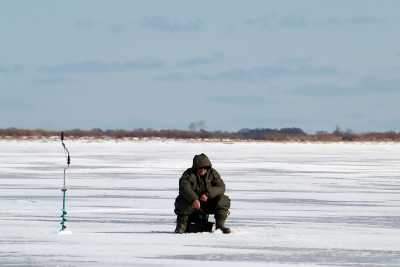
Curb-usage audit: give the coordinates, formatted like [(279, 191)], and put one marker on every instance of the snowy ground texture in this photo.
[(292, 204)]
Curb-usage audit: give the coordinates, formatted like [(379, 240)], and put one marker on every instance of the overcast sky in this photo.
[(233, 64)]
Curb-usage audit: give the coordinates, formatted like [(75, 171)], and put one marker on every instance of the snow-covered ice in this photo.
[(292, 204)]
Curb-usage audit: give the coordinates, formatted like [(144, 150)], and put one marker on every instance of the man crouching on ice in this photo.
[(201, 189)]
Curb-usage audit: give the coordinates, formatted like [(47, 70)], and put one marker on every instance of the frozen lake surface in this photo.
[(292, 204)]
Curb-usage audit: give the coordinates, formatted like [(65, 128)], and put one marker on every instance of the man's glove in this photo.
[(196, 204), (204, 198)]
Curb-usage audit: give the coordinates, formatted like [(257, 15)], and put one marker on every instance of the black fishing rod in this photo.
[(64, 188)]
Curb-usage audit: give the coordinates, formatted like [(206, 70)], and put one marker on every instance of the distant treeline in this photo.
[(265, 134)]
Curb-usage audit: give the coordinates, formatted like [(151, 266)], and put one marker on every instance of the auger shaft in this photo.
[(64, 188)]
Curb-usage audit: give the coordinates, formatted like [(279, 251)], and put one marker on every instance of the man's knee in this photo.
[(182, 206), (223, 202)]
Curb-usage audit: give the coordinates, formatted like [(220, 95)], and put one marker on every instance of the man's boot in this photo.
[(181, 224), (220, 223)]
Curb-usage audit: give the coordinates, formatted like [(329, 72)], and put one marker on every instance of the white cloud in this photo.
[(357, 20), (85, 24), (9, 69), (255, 74), (367, 85), (237, 100), (199, 61), (98, 66), (298, 22), (172, 25), (118, 28)]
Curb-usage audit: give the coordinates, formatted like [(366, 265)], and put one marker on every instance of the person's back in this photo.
[(201, 189)]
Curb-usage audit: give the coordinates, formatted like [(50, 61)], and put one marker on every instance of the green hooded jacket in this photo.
[(192, 186)]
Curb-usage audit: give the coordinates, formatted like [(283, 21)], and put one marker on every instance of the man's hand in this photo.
[(204, 198), (196, 204)]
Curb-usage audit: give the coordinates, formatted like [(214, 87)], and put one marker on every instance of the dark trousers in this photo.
[(219, 206)]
